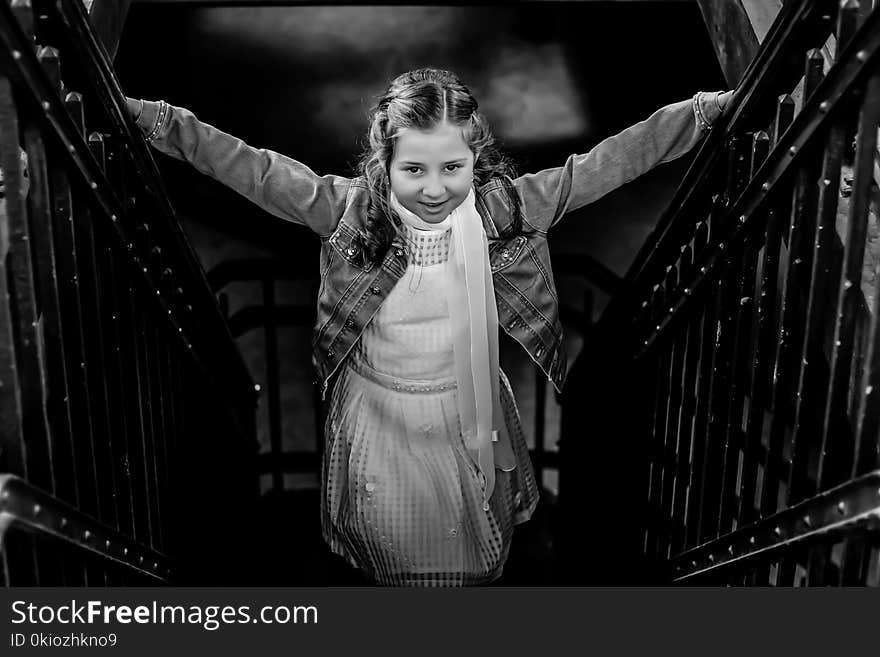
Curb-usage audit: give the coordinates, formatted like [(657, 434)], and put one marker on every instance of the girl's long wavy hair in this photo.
[(422, 99)]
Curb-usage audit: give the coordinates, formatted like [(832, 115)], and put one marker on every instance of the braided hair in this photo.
[(422, 99)]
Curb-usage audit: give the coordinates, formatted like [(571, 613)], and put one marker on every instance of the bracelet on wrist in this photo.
[(160, 121), (703, 123)]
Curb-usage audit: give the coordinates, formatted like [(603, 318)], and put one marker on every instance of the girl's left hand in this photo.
[(724, 99)]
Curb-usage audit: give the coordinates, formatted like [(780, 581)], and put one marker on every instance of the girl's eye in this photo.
[(413, 170), (451, 168)]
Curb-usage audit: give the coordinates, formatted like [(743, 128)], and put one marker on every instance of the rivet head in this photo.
[(823, 106), (862, 56), (16, 54), (807, 521), (777, 531), (87, 534), (792, 150), (752, 540), (766, 187), (257, 387), (94, 185), (45, 105), (37, 509), (841, 507)]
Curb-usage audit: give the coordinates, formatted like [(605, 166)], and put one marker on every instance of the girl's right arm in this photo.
[(280, 185)]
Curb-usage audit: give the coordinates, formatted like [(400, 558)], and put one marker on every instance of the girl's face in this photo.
[(432, 171)]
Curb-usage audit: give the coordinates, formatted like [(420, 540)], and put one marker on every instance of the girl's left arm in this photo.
[(667, 134)]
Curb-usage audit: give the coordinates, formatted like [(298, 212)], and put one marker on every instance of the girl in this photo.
[(425, 253)]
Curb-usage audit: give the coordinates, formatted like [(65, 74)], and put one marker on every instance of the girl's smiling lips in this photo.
[(432, 207)]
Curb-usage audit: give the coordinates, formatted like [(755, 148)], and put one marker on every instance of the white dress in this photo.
[(401, 498)]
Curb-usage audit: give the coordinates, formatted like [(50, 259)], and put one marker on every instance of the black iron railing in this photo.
[(751, 345), (126, 411)]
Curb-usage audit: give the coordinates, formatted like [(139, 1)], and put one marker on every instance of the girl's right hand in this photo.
[(135, 107)]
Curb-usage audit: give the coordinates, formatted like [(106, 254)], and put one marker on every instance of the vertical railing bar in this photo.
[(849, 294), (137, 458), (867, 431), (50, 446), (668, 348), (737, 454), (94, 337), (14, 377), (690, 342), (117, 388), (169, 433), (158, 433), (673, 435), (703, 323), (853, 568), (873, 576), (4, 567), (766, 351), (148, 464), (736, 458), (654, 461)]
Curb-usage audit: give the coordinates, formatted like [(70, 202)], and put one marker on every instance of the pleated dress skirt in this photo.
[(401, 496)]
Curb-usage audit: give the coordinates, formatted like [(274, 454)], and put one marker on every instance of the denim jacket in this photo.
[(352, 289)]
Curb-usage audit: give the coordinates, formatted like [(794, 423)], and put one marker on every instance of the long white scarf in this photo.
[(474, 318)]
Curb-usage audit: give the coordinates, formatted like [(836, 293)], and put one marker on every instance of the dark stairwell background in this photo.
[(553, 78)]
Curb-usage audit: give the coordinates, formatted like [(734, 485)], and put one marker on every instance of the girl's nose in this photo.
[(433, 188)]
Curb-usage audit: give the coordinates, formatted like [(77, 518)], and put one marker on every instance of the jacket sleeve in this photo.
[(667, 134), (280, 185)]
